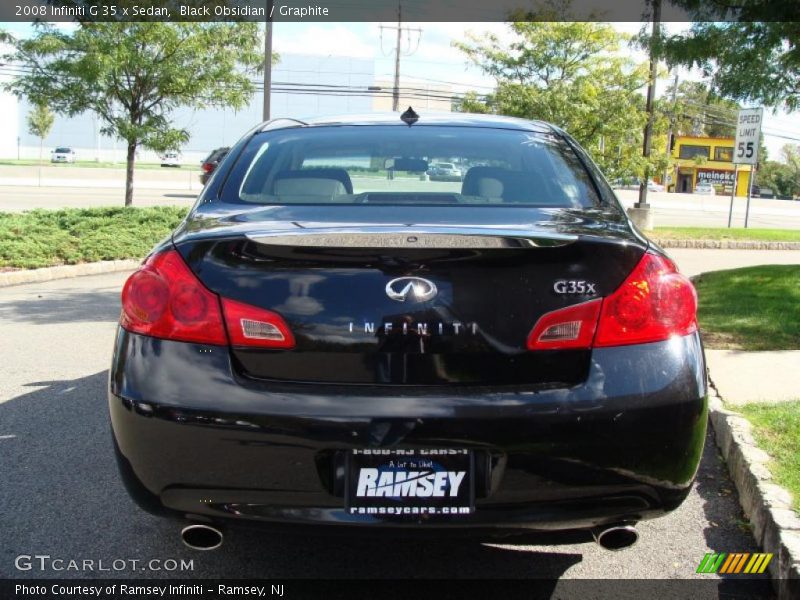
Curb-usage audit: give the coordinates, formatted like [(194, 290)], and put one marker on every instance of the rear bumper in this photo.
[(194, 439)]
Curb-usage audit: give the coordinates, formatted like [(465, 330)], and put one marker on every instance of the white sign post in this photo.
[(745, 151)]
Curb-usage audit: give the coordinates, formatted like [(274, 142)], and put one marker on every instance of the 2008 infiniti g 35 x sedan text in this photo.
[(330, 338)]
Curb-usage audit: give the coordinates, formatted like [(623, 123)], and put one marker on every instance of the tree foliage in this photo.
[(698, 111), (133, 75), (572, 74), (40, 120), (748, 50)]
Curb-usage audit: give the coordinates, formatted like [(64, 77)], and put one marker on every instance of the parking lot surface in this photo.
[(61, 495)]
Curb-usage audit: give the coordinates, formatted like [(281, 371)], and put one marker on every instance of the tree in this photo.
[(698, 111), (791, 157), (572, 74), (753, 57), (40, 122), (133, 75)]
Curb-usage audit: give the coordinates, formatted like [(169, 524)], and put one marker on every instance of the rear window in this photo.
[(63, 150), (394, 165)]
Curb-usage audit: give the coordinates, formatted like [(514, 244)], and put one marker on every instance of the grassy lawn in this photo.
[(755, 308), (44, 238), (9, 162), (777, 431), (723, 233)]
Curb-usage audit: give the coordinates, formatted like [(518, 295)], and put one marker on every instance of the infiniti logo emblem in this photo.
[(415, 289)]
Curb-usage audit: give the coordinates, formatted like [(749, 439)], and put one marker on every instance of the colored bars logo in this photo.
[(734, 563)]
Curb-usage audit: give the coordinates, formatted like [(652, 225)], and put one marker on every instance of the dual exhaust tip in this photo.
[(201, 537), (614, 538)]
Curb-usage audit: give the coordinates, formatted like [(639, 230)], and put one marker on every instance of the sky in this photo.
[(430, 57)]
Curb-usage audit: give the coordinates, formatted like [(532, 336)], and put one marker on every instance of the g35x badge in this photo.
[(574, 286)]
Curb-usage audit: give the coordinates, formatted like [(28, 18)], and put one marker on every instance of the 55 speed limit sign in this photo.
[(748, 133)]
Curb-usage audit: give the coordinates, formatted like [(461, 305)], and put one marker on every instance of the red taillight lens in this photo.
[(164, 299), (653, 304), (571, 327), (252, 326), (207, 167)]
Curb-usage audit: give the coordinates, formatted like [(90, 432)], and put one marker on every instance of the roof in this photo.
[(425, 118)]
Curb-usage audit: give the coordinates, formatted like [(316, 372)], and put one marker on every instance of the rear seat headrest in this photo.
[(312, 182)]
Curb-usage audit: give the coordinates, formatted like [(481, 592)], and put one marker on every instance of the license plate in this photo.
[(413, 483)]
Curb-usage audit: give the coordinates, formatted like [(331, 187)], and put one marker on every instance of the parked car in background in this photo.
[(705, 189), (444, 171), (652, 186), (171, 159), (315, 347), (765, 192), (62, 154), (210, 163)]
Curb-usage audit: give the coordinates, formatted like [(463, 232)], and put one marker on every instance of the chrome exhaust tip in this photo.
[(616, 537), (201, 537)]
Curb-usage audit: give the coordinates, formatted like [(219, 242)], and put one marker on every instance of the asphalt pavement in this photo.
[(80, 187), (60, 494)]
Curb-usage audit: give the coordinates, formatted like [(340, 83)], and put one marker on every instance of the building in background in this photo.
[(419, 94), (10, 129), (303, 86), (706, 159)]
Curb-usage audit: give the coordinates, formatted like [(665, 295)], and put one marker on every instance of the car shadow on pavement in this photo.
[(727, 529), (64, 307), (62, 497)]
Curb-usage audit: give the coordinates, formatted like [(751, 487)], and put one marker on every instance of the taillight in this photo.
[(164, 299), (207, 167), (252, 326), (654, 303), (571, 327)]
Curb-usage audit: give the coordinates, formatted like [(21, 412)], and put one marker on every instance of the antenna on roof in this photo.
[(409, 117)]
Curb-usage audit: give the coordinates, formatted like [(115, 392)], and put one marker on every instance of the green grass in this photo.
[(755, 308), (777, 432), (44, 238), (9, 162), (723, 233)]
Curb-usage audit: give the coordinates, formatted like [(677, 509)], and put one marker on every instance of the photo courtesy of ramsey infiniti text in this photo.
[(333, 338)]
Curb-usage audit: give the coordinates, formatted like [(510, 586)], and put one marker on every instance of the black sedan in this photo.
[(319, 344)]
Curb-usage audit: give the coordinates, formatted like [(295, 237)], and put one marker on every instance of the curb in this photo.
[(775, 525), (65, 271), (726, 244)]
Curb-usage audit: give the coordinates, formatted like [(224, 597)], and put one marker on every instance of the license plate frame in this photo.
[(410, 483)]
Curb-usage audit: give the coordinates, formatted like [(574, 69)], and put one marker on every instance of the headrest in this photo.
[(313, 182)]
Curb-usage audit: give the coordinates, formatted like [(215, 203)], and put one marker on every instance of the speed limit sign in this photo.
[(748, 134)]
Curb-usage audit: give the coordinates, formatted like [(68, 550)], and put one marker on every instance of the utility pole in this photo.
[(396, 87), (267, 62), (640, 213), (671, 126), (398, 52)]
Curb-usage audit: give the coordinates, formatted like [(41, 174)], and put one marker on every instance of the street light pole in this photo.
[(267, 62), (641, 214)]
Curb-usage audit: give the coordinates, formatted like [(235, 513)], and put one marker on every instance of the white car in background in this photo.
[(171, 159), (62, 154), (705, 188), (652, 186)]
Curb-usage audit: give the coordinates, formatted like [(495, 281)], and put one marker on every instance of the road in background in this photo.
[(62, 496), (84, 186)]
